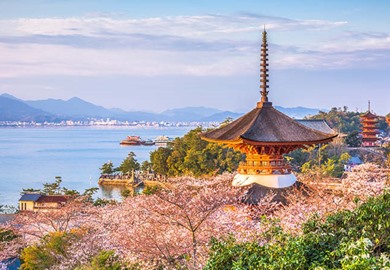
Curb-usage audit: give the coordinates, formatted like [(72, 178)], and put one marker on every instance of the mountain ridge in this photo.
[(78, 109)]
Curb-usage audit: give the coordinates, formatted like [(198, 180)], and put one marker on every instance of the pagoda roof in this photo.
[(266, 125), (369, 115)]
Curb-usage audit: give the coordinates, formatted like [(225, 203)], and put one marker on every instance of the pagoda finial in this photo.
[(369, 106), (264, 71)]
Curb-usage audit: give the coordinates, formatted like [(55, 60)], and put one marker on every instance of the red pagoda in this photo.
[(265, 135), (369, 132)]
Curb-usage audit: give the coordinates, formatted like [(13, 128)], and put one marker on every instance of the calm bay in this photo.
[(30, 157)]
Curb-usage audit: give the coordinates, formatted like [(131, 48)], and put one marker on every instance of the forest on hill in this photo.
[(344, 121)]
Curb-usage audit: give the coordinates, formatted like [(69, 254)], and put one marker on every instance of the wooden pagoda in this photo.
[(265, 135), (369, 132)]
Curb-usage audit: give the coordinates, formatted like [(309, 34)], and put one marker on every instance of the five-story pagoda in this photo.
[(369, 132), (265, 135)]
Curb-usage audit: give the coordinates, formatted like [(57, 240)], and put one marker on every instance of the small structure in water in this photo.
[(120, 179), (162, 141), (136, 140)]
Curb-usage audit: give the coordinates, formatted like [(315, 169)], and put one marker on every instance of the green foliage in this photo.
[(149, 190), (7, 235), (358, 239), (53, 188), (353, 139), (340, 119), (146, 166), (30, 190), (103, 202), (322, 162), (159, 160), (127, 193), (129, 164), (70, 192), (382, 124), (190, 155), (89, 192), (107, 168), (108, 260), (331, 243), (285, 252), (297, 158), (47, 252)]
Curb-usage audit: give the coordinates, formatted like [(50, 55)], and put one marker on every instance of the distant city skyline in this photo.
[(156, 55)]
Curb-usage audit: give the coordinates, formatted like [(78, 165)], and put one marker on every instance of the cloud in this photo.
[(214, 44)]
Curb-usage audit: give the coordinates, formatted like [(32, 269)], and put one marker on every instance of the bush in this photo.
[(358, 239), (108, 260), (47, 252)]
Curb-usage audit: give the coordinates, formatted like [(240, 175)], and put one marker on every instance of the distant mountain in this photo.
[(12, 109), (220, 117), (297, 112), (74, 107), (9, 96), (78, 109), (139, 116), (190, 113)]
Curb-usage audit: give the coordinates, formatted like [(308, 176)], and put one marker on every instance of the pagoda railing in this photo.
[(264, 167)]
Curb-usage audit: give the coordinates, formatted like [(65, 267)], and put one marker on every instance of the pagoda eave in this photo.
[(238, 141), (227, 142), (281, 143)]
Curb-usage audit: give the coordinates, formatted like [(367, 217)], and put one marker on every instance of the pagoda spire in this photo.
[(264, 72), (369, 106)]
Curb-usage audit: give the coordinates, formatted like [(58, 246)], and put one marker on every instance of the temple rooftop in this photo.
[(266, 125)]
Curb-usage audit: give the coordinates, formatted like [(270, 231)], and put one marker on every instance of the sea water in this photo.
[(30, 157)]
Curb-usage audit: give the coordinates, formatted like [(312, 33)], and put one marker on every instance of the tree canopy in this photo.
[(190, 155)]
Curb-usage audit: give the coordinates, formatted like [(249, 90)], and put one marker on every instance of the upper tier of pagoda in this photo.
[(265, 125)]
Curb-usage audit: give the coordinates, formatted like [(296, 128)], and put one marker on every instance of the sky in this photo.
[(154, 55)]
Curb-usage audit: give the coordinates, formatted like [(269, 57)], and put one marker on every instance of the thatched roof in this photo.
[(266, 125)]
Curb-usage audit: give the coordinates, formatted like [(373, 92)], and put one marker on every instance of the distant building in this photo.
[(370, 131), (352, 162), (37, 202)]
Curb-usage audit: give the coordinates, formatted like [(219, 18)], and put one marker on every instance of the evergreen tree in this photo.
[(107, 168), (129, 164)]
